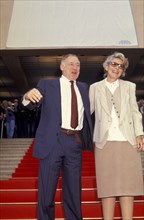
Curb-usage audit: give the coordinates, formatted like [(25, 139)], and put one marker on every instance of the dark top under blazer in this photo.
[(50, 120)]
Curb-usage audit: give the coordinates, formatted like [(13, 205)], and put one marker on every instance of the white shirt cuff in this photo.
[(25, 102)]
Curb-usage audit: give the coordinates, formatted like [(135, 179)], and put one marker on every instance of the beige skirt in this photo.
[(118, 170)]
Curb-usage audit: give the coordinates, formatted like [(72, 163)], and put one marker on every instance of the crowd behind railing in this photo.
[(19, 122)]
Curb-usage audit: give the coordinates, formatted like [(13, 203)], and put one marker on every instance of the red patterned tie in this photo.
[(74, 109)]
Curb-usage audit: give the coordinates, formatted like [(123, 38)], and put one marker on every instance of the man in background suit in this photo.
[(57, 144)]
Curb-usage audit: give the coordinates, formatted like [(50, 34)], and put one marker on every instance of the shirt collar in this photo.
[(114, 84), (65, 80)]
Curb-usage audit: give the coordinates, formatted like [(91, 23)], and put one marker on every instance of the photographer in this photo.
[(10, 119)]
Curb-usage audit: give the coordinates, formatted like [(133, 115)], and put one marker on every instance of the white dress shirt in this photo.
[(65, 86), (114, 132)]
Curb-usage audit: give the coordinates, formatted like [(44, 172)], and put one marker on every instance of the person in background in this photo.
[(58, 144), (118, 136), (2, 119), (10, 119)]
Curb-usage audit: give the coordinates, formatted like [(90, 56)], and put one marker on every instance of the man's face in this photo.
[(70, 68)]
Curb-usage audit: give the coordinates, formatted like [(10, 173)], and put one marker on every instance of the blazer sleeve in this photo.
[(85, 136), (92, 98), (136, 115)]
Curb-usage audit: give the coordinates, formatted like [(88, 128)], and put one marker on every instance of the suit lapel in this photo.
[(57, 94), (82, 92), (103, 97)]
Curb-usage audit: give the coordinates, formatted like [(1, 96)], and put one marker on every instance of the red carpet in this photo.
[(18, 196)]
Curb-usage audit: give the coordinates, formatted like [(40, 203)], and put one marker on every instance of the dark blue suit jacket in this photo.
[(50, 120)]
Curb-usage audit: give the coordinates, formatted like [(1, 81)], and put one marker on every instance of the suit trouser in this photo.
[(67, 157)]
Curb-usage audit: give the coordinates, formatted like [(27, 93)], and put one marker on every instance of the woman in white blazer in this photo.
[(118, 136)]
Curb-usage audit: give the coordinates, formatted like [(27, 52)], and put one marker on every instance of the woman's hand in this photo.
[(140, 143)]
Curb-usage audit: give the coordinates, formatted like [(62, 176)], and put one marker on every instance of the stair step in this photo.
[(8, 169), (15, 140), (29, 210), (9, 162), (29, 195), (13, 154), (97, 218), (18, 195), (5, 176), (14, 148), (8, 157), (35, 174), (32, 183)]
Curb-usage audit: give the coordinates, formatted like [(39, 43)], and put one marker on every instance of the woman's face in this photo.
[(114, 69)]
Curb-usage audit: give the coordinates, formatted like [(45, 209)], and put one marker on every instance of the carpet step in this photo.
[(22, 168), (29, 161), (29, 195), (34, 166), (32, 183), (96, 218), (36, 162), (20, 196), (89, 210), (35, 174)]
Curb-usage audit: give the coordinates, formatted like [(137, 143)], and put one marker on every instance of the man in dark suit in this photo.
[(57, 144)]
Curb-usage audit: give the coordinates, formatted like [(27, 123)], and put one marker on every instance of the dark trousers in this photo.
[(67, 157)]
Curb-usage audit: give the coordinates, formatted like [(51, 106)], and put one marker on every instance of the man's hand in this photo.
[(33, 95)]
